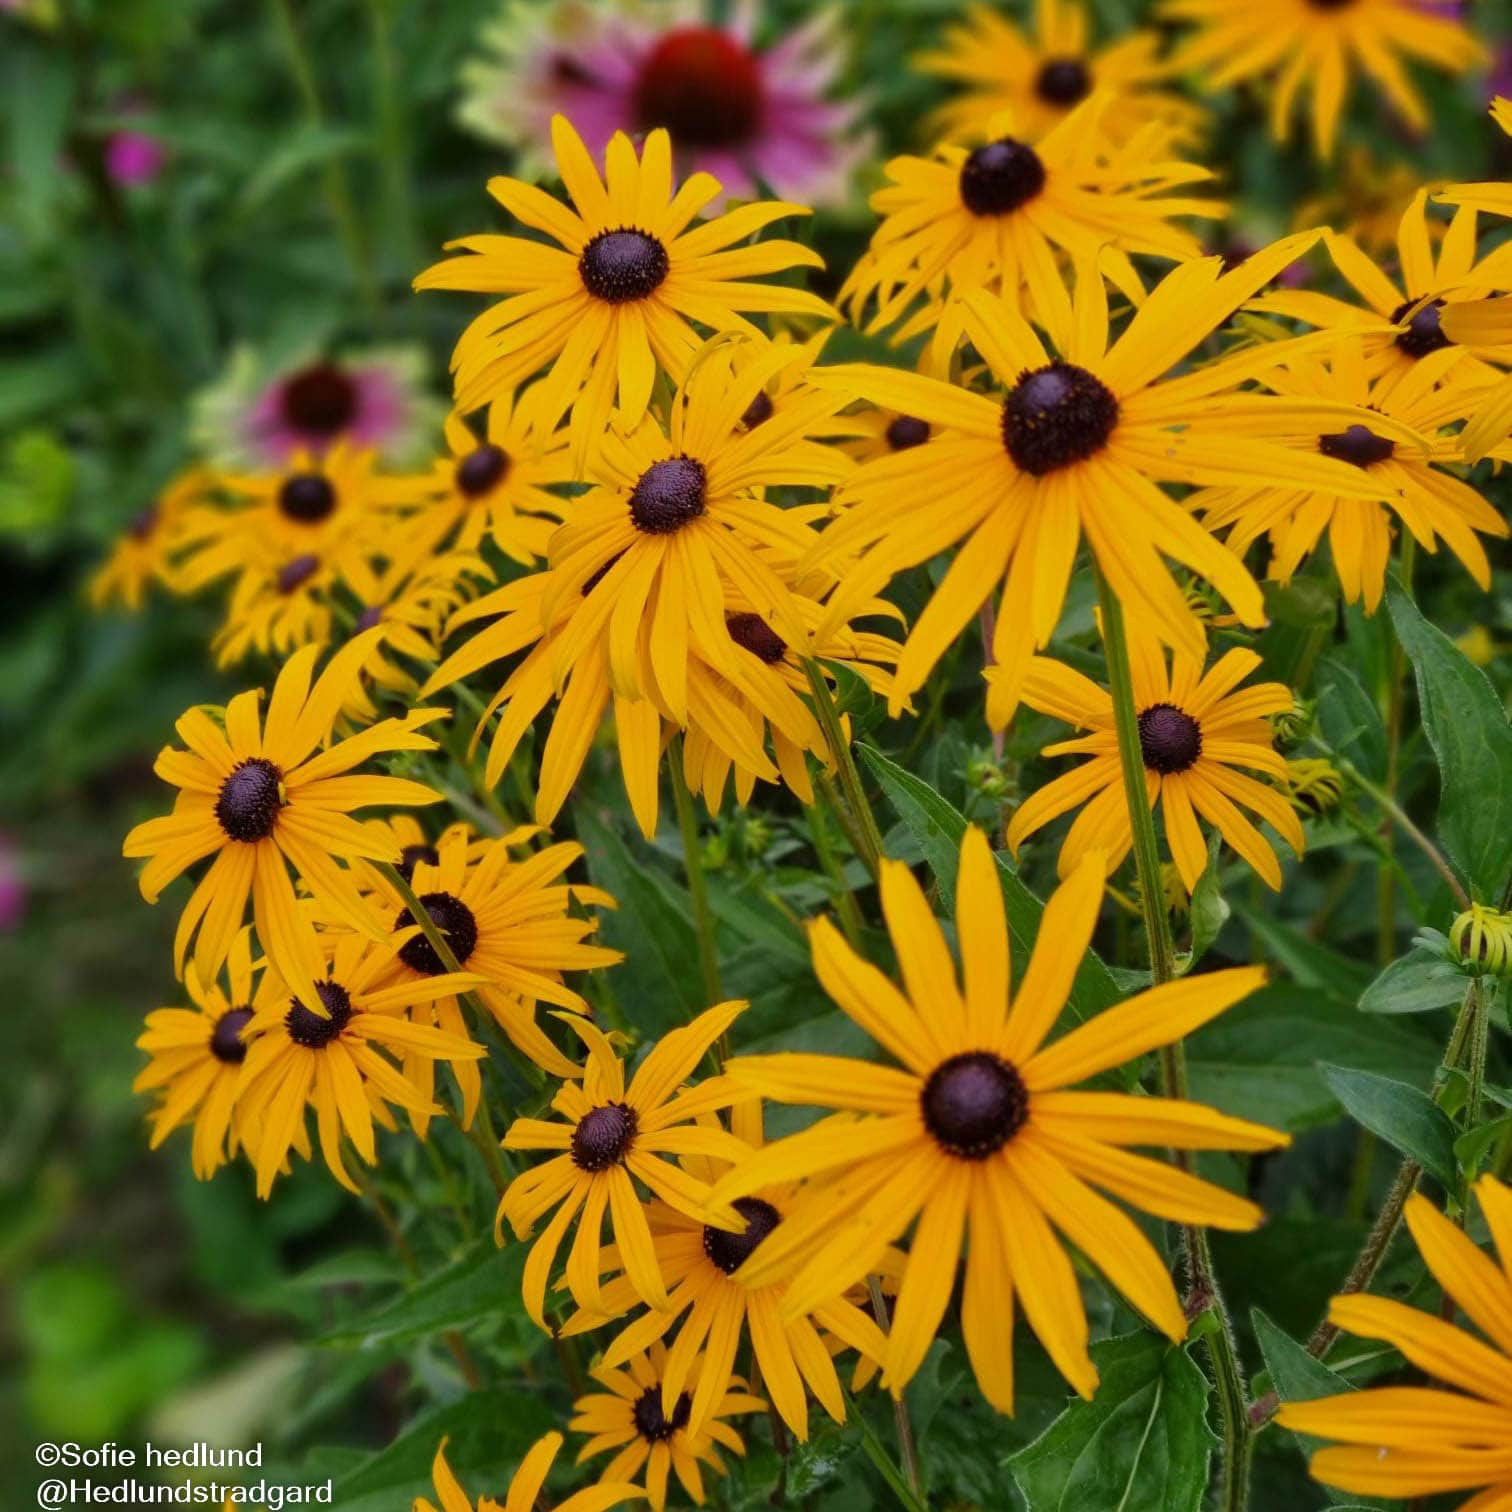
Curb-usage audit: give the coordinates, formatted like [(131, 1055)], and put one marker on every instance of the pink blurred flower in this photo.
[(133, 157)]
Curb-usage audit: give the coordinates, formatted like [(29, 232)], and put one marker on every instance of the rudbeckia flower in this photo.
[(259, 796), (144, 554), (629, 1417), (1317, 44), (1196, 730), (1001, 215), (1041, 74), (333, 1061), (608, 1137), (1450, 1435), (981, 1127), (1072, 444), (524, 1486), (620, 293), (703, 1266)]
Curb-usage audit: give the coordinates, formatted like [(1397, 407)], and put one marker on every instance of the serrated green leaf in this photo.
[(1405, 1117)]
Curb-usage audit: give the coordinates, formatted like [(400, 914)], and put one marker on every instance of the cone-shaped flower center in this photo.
[(906, 431), (652, 1423), (295, 574), (481, 469), (753, 634), (1063, 81), (1056, 415), (1425, 331), (703, 86), (668, 495), (458, 928), (1358, 444), (602, 1137), (619, 266), (1169, 740), (974, 1104), (249, 800), (307, 497), (309, 1029), (730, 1251), (1000, 176), (320, 399), (226, 1043)]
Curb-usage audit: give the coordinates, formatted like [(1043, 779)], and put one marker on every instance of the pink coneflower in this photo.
[(133, 158), (758, 117)]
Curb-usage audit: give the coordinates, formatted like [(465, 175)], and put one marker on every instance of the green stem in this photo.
[(1395, 701), (391, 133), (845, 900), (698, 884), (485, 1139), (906, 1447), (862, 818), (1398, 818)]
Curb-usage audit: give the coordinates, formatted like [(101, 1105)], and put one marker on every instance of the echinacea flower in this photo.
[(980, 1127), (1449, 1435), (755, 115), (258, 795), (619, 294), (1196, 730), (1317, 45), (629, 1417), (143, 555), (609, 1136), (333, 1061), (524, 1486)]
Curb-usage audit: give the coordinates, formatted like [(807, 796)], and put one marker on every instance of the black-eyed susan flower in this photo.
[(629, 1418), (334, 1061), (524, 1486), (703, 1267), (1365, 200), (1451, 1435), (981, 1127), (1001, 214), (1041, 74), (1481, 937), (1071, 445), (1314, 785), (1316, 45), (1418, 485), (257, 794), (619, 295), (197, 1055), (609, 1136), (144, 553), (1196, 730)]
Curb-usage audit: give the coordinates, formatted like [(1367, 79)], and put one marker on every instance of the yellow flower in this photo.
[(524, 1486), (1482, 938), (1001, 214), (1041, 75), (1195, 731), (144, 554), (1315, 785), (608, 1137), (1418, 1441), (1317, 44), (331, 1061), (629, 1417), (620, 293), (258, 795), (980, 1125), (1365, 199)]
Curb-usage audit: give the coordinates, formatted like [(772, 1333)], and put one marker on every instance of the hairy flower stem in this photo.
[(845, 900), (906, 1449), (863, 821), (1205, 1295), (1395, 701)]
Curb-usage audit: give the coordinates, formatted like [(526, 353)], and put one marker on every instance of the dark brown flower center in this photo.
[(368, 619), (296, 573), (998, 177), (320, 399), (703, 86), (752, 633), (1063, 81), (458, 926), (307, 497), (309, 1029), (1169, 740), (620, 266), (651, 1423), (730, 1251), (482, 469), (758, 411), (411, 856), (906, 432), (668, 495), (603, 1135), (1358, 444), (974, 1104), (1056, 415), (249, 800), (1425, 331), (226, 1043)]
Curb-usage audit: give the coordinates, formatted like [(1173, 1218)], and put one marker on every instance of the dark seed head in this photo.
[(1358, 444), (320, 399), (730, 1251), (1169, 740), (457, 925), (226, 1043), (703, 86), (602, 1137), (309, 1029), (249, 800), (307, 497), (906, 432), (1063, 81), (752, 633), (1056, 415), (651, 1423), (1425, 331), (974, 1104), (483, 468), (619, 266), (1000, 176), (293, 574), (411, 856), (758, 411), (668, 495)]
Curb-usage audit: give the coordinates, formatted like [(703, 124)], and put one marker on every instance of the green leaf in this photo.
[(1349, 718), (1142, 1441), (1209, 911), (1406, 1118), (1419, 981), (1471, 1147), (309, 147), (1468, 728), (1308, 962), (938, 827), (1296, 1376)]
